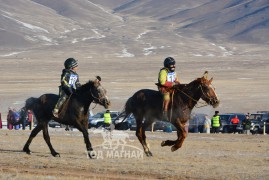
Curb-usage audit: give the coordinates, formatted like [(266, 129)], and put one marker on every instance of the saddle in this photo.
[(165, 89)]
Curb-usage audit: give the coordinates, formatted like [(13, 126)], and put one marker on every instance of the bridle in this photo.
[(96, 99), (205, 94)]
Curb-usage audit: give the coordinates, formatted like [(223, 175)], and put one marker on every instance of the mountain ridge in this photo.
[(33, 24)]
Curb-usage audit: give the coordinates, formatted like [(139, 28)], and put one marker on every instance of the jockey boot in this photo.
[(55, 112), (165, 116)]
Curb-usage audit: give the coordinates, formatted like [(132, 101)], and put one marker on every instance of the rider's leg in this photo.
[(60, 102), (166, 100)]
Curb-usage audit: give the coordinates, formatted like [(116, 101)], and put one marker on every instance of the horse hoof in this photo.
[(27, 151), (149, 154), (92, 155), (173, 148), (56, 155)]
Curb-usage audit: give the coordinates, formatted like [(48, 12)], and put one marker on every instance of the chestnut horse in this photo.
[(75, 113), (146, 106)]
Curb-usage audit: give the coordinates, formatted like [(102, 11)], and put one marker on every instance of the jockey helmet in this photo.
[(70, 63), (168, 62)]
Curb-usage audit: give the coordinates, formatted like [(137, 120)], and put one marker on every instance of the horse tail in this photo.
[(30, 103), (129, 106)]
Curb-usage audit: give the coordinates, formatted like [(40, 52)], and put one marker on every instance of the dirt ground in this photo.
[(203, 156)]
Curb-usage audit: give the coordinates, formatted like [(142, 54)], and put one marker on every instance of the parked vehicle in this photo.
[(123, 125), (55, 124), (196, 123), (157, 125), (97, 120), (227, 126), (162, 126), (257, 122)]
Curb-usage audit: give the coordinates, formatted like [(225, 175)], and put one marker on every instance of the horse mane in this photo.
[(186, 90), (85, 87), (184, 87)]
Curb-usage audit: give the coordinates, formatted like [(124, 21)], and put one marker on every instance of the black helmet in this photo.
[(70, 63), (168, 62)]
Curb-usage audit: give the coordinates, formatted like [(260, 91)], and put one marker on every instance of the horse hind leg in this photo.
[(140, 133), (33, 134), (47, 139), (145, 126)]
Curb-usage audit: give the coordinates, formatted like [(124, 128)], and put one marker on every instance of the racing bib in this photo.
[(171, 76), (72, 80)]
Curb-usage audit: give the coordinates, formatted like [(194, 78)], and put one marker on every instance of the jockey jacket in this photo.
[(167, 78), (69, 81), (216, 121), (107, 118)]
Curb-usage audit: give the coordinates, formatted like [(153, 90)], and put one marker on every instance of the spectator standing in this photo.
[(207, 125), (246, 125), (0, 122), (215, 121), (235, 122), (195, 124), (30, 119), (9, 118), (24, 117), (107, 119)]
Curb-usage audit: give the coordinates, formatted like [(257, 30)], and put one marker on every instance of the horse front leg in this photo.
[(47, 139), (181, 134), (169, 142), (33, 134), (88, 143), (82, 126)]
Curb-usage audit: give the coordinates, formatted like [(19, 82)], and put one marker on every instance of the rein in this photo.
[(98, 98), (197, 101)]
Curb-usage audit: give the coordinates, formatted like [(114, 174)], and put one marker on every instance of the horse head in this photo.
[(208, 91), (98, 93)]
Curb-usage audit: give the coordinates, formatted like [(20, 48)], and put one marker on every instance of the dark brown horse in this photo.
[(146, 106), (76, 112)]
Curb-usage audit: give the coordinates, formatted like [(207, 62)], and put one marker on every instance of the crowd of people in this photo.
[(18, 119), (214, 124)]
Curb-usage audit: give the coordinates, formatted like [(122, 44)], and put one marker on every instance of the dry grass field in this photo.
[(203, 156)]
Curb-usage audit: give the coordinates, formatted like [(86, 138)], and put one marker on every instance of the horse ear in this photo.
[(211, 80), (98, 77), (205, 74), (96, 82)]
